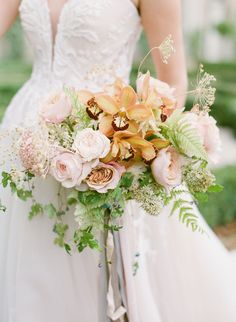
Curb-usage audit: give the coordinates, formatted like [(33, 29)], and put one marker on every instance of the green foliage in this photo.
[(36, 209), (60, 229), (146, 178), (185, 211), (2, 207), (92, 206), (79, 110), (50, 211), (204, 196), (199, 179), (20, 192), (84, 238), (183, 136), (226, 29), (126, 180), (216, 188)]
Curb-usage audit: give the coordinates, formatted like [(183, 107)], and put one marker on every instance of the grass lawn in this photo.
[(12, 76)]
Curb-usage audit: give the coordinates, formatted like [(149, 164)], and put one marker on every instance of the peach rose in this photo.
[(162, 88), (69, 169), (166, 168), (90, 144), (56, 108), (105, 177)]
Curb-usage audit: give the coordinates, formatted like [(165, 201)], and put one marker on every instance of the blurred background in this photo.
[(210, 38)]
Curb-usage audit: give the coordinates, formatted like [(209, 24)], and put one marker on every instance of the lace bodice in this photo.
[(94, 43)]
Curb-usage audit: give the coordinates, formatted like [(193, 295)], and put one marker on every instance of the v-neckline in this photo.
[(53, 36)]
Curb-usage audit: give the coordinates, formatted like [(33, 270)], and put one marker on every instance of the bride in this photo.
[(183, 276)]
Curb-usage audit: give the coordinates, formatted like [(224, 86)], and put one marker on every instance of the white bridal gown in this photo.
[(183, 276)]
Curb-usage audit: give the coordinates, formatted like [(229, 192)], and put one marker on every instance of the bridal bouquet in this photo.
[(121, 144)]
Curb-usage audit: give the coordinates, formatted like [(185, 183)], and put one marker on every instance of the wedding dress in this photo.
[(182, 276)]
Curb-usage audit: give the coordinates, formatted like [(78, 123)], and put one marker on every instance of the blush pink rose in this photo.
[(69, 169), (166, 168), (105, 177), (210, 134), (56, 108)]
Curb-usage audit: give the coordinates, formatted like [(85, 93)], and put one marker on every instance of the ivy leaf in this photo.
[(146, 178), (35, 210), (67, 248), (2, 207), (84, 238), (50, 210), (127, 180), (201, 196), (215, 188), (22, 194), (72, 198), (60, 229), (6, 178)]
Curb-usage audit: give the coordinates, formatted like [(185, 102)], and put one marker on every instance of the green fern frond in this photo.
[(184, 136), (187, 215)]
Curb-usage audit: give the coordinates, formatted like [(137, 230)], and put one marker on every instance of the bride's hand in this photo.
[(8, 14), (161, 18)]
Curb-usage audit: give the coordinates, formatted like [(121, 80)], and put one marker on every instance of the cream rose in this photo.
[(90, 144), (69, 169), (56, 108), (166, 168), (105, 177)]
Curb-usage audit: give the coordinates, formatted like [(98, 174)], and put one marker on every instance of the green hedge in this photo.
[(13, 73), (221, 207)]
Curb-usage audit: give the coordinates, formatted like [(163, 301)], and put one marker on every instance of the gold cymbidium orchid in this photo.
[(122, 113), (157, 95), (127, 145)]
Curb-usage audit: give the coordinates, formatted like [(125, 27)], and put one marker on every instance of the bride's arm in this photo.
[(8, 14), (161, 18)]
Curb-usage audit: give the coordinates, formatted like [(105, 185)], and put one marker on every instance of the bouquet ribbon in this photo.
[(116, 310)]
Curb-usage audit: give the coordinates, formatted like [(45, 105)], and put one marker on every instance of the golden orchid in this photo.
[(157, 95), (123, 112), (127, 145), (89, 100)]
